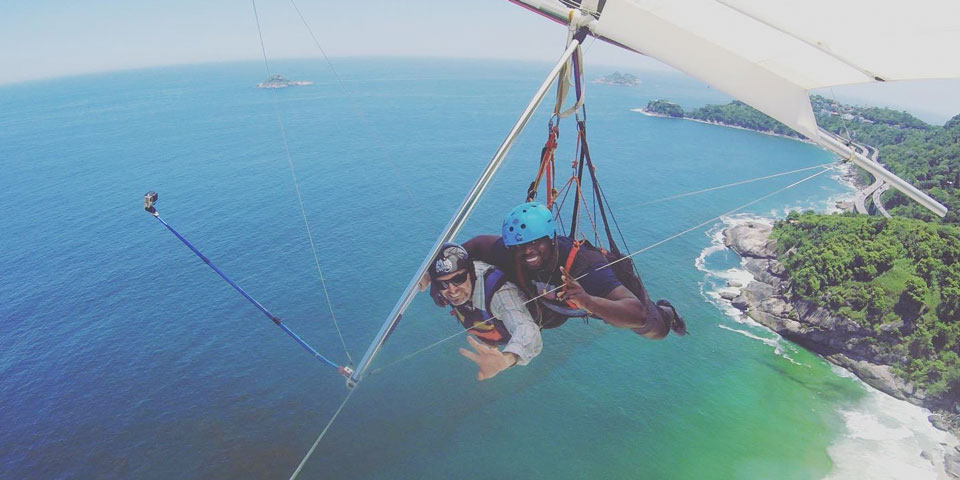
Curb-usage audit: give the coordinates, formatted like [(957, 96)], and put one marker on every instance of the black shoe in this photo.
[(676, 323)]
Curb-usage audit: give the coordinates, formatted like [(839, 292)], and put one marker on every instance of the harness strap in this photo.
[(574, 249), (493, 332), (492, 281), (546, 167)]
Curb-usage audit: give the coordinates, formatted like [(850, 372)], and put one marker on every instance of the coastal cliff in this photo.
[(769, 300)]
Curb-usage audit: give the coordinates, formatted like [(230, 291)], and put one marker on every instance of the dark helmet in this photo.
[(452, 257)]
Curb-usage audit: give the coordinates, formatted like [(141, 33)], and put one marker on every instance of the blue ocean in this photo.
[(122, 355)]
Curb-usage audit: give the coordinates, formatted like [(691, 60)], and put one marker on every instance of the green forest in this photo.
[(898, 278), (663, 107), (742, 115)]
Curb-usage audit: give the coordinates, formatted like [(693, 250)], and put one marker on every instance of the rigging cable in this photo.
[(843, 121), (322, 434), (648, 247), (360, 113), (310, 237), (296, 186), (742, 182)]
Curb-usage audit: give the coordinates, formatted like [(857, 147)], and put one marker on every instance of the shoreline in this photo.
[(648, 113), (766, 300), (849, 173)]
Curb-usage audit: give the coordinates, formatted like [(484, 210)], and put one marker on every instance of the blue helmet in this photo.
[(528, 222)]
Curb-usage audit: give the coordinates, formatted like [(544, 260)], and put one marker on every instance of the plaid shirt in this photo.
[(507, 305)]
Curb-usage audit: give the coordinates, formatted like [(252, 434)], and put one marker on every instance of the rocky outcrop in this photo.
[(880, 377), (769, 301), (952, 463), (751, 240)]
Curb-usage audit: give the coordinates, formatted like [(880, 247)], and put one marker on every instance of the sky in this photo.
[(53, 38)]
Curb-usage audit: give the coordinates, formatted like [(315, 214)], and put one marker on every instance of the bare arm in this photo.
[(620, 308), (481, 248)]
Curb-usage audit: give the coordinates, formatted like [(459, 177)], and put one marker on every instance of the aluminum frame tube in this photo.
[(829, 141), (459, 218)]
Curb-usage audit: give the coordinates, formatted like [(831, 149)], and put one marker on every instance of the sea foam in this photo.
[(887, 438), (731, 280)]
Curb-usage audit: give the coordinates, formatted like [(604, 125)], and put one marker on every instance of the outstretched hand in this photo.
[(572, 292), (490, 359)]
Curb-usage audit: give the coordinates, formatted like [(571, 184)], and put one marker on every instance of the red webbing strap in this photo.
[(546, 167), (549, 184), (566, 266)]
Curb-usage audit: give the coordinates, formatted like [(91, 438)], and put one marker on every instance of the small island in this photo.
[(279, 81), (663, 108), (621, 79)]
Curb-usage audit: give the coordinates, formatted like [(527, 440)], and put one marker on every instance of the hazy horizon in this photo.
[(85, 37)]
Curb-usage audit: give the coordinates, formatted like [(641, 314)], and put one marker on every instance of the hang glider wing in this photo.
[(771, 53)]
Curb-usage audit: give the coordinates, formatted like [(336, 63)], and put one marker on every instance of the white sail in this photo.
[(771, 53)]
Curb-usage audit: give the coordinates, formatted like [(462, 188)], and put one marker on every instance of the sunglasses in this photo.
[(456, 280)]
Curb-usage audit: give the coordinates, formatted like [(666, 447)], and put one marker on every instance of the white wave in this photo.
[(727, 281), (844, 175), (744, 218), (779, 348), (701, 260), (730, 280), (713, 297), (888, 438)]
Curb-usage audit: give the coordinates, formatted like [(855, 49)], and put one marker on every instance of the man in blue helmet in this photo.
[(490, 307), (570, 280)]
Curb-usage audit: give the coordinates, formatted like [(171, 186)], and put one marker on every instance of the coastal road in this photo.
[(882, 188), (862, 196), (875, 189), (876, 199)]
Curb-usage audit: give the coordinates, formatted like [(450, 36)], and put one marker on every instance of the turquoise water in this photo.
[(123, 356)]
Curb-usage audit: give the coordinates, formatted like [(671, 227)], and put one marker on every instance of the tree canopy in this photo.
[(897, 278)]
